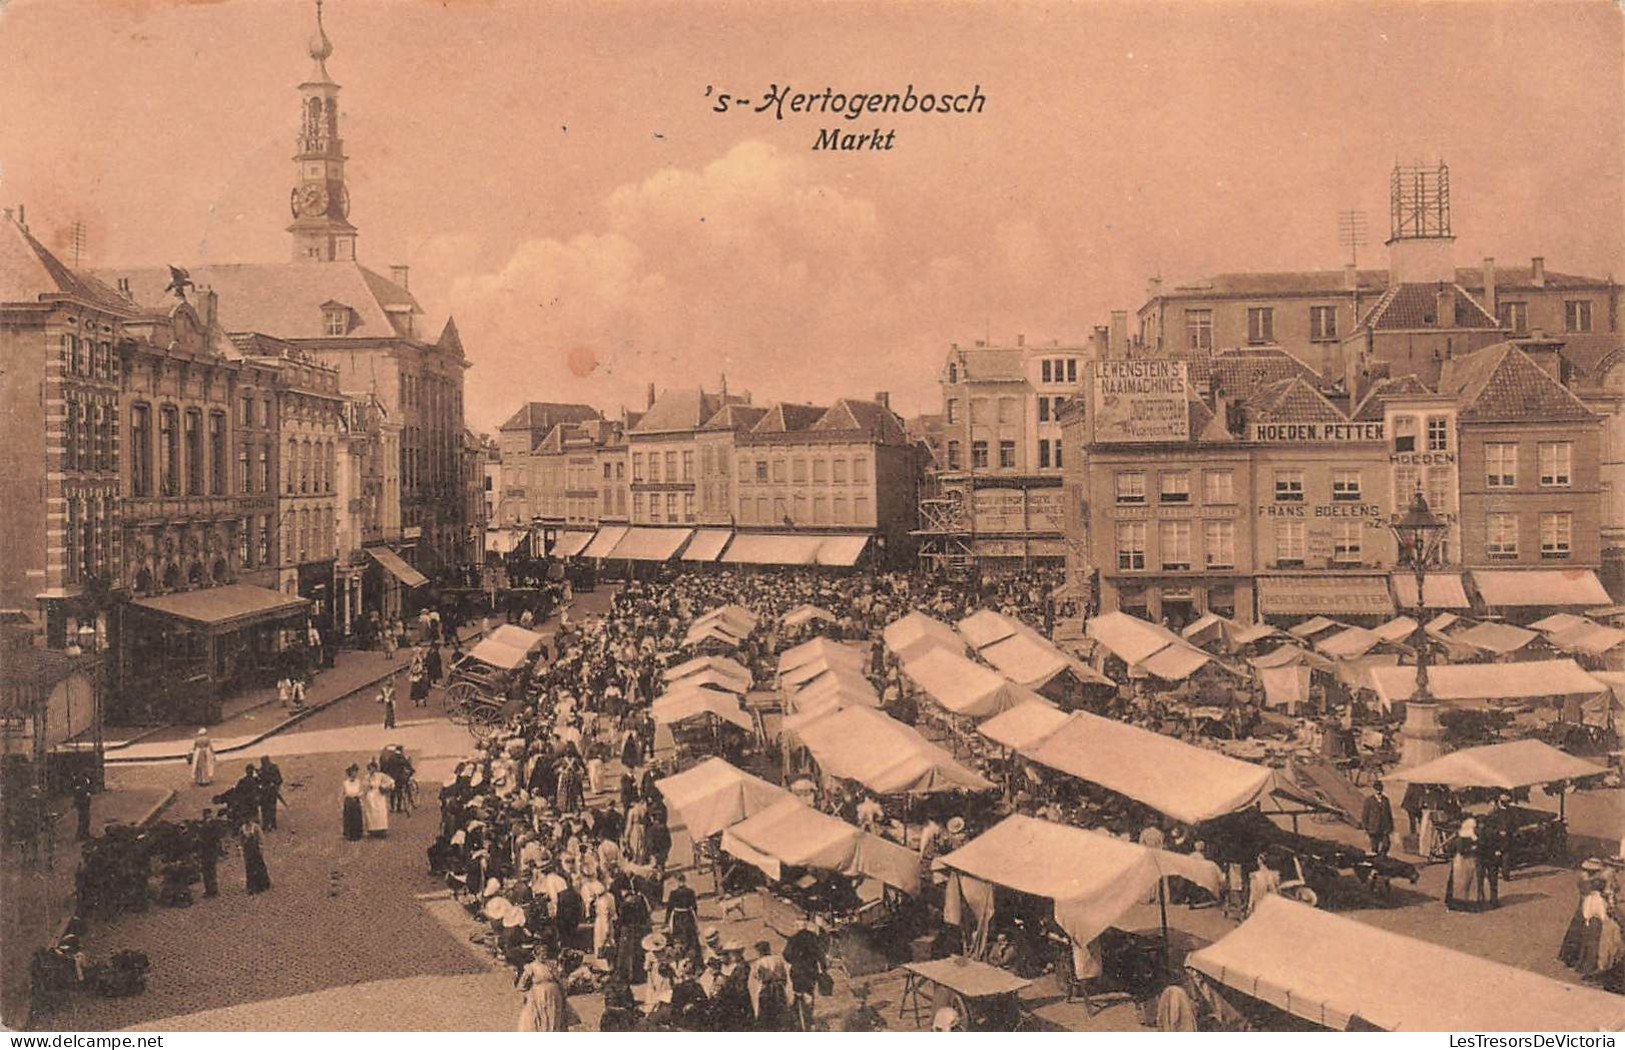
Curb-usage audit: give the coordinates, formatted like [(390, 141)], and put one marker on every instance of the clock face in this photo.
[(344, 203), (293, 202), (312, 200)]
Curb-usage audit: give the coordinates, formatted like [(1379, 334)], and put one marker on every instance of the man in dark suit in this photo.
[(1494, 838), (1377, 820)]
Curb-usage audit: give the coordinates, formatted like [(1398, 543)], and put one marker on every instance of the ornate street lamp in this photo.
[(1420, 534)]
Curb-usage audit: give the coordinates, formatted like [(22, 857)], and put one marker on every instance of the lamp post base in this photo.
[(1421, 737)]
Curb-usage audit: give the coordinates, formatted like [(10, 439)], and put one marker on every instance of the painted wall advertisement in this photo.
[(1141, 401), (1001, 510)]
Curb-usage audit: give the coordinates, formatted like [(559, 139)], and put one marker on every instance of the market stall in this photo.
[(824, 650), (712, 668), (806, 615), (915, 629), (715, 795), (1146, 647), (1024, 725), (961, 686), (791, 834), (883, 754), (1482, 683)]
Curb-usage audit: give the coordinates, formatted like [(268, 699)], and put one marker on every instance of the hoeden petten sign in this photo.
[(1141, 401)]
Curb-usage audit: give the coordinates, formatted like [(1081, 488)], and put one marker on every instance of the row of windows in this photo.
[(307, 469), (667, 466), (979, 455), (180, 452), (247, 416), (1174, 486), (1049, 408), (820, 509), (1514, 314), (1058, 370), (88, 536), (664, 507), (88, 428), (86, 357), (1175, 544), (1501, 535), (1435, 428), (800, 469), (988, 410), (1554, 462)]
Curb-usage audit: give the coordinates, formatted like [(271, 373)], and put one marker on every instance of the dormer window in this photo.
[(335, 319)]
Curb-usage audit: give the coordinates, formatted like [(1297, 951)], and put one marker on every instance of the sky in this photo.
[(557, 179)]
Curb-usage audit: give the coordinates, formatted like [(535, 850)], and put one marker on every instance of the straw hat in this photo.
[(956, 825), (512, 917), (493, 886), (654, 942), (496, 908)]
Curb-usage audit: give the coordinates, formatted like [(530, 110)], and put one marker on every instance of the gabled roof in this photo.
[(1370, 407), (785, 418), (1292, 401), (735, 417), (28, 271), (1411, 306), (1501, 382), (545, 415), (1239, 372), (989, 364), (871, 417), (683, 408)]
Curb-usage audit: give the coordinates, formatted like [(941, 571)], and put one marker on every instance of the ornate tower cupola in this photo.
[(320, 203)]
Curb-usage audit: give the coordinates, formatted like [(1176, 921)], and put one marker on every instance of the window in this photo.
[(141, 450), (1513, 315), (104, 438), (1044, 369), (336, 320), (1346, 541), (654, 466), (1406, 482), (265, 412), (978, 455), (637, 466), (606, 470), (169, 452), (953, 455), (1199, 329), (671, 506), (860, 469), (1057, 445), (761, 470), (837, 467), (1404, 433), (1289, 486), (688, 506), (245, 552), (981, 409), (1289, 543), (245, 473), (1071, 370), (1501, 535), (1043, 453), (71, 435), (1219, 544), (688, 465), (1007, 454), (1345, 486), (953, 411), (265, 469), (778, 471), (820, 509), (217, 453), (861, 514), (1438, 490), (1556, 534), (820, 470), (671, 466), (1322, 323), (1261, 324), (194, 453), (1556, 463), (1130, 545), (1176, 487), (1438, 433), (1218, 486), (1043, 410), (1577, 315), (953, 372), (245, 415), (798, 470), (840, 510), (1174, 543), (1130, 486), (1501, 464), (637, 506)]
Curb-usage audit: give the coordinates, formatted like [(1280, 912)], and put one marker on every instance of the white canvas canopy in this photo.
[(712, 631), (713, 678), (799, 678), (984, 627), (1256, 632), (914, 628), (848, 688), (1285, 686), (721, 665), (1349, 642), (507, 647), (884, 755), (738, 619), (1190, 784), (805, 614), (1559, 622), (792, 833), (1329, 970), (1523, 680), (1092, 878), (816, 649), (1593, 639), (1288, 654), (714, 795), (1494, 637), (960, 685), (1517, 764), (1028, 658), (1311, 627), (1024, 725), (1145, 645), (1396, 630), (684, 704)]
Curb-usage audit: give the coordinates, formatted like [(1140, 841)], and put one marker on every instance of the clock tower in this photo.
[(320, 203)]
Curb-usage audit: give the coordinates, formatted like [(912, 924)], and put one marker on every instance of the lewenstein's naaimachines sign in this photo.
[(1145, 400)]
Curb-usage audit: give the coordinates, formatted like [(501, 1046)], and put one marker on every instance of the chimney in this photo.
[(1489, 284), (1537, 265), (1119, 332), (1351, 278), (651, 400), (1103, 342), (883, 399), (399, 273), (1445, 307), (1153, 287), (724, 387)]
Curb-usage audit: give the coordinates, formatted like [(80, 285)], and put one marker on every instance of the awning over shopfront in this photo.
[(1023, 726), (1520, 680), (1513, 588), (571, 544), (1509, 766), (706, 545), (960, 685), (1187, 783), (791, 833), (1324, 595), (1442, 590), (502, 541), (772, 548), (1331, 970), (884, 755), (397, 567), (714, 795), (645, 544), (841, 550), (227, 608), (605, 541)]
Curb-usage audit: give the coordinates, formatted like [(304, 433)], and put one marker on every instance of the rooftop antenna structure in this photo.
[(1419, 202), (76, 240), (1351, 233)]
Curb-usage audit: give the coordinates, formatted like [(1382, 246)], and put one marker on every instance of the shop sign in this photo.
[(1146, 400), (1324, 595), (1370, 513), (1422, 459), (1317, 433)]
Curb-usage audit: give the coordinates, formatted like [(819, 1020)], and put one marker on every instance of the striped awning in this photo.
[(707, 544)]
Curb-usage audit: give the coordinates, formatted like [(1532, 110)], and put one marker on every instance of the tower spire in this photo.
[(320, 201), (320, 47)]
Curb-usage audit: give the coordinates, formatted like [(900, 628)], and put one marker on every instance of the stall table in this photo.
[(980, 988)]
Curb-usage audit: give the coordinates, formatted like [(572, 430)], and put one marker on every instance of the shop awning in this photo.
[(397, 567), (689, 701), (792, 833), (884, 755), (1443, 590), (1092, 878), (1494, 637), (1330, 970), (501, 541), (571, 544), (1023, 726), (1187, 783), (840, 550), (1507, 588), (1517, 764), (706, 545), (1328, 595), (226, 608), (910, 630), (714, 795), (772, 548), (984, 627), (960, 685), (644, 544), (605, 541), (1519, 680)]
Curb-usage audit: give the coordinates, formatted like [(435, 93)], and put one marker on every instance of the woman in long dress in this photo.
[(1462, 891), (202, 759), (544, 1008), (255, 874), (375, 803), (354, 789), (603, 922)]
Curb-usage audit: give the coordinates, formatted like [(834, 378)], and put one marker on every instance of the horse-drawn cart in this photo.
[(486, 686)]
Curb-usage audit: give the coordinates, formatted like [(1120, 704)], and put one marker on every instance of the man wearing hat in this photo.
[(1377, 820), (1494, 855), (804, 953)]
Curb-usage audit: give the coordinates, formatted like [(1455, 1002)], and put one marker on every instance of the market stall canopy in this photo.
[(1512, 681), (841, 551), (821, 649), (507, 647), (1443, 590), (1517, 764), (226, 608), (1208, 628), (737, 618), (1029, 659), (960, 685), (396, 566), (792, 833), (1396, 630), (1603, 711), (501, 541), (1152, 647), (1188, 783), (605, 541), (772, 548), (722, 681), (1558, 622), (823, 699), (714, 795), (1287, 655), (649, 544), (984, 627), (805, 614), (1509, 588), (1349, 642), (846, 681), (1023, 726), (798, 678), (1253, 633), (694, 701), (884, 755), (1295, 595), (1092, 878), (914, 628), (711, 631), (1493, 637), (1330, 970), (719, 664), (1285, 686), (706, 545), (1311, 627), (1593, 639)]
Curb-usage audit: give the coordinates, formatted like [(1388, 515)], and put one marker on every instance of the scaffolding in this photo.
[(945, 535), (1419, 202)]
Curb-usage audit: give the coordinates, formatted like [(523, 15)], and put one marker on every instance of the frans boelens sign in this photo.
[(1141, 401)]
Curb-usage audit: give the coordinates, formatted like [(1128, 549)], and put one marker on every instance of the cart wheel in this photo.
[(483, 720), (460, 698)]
